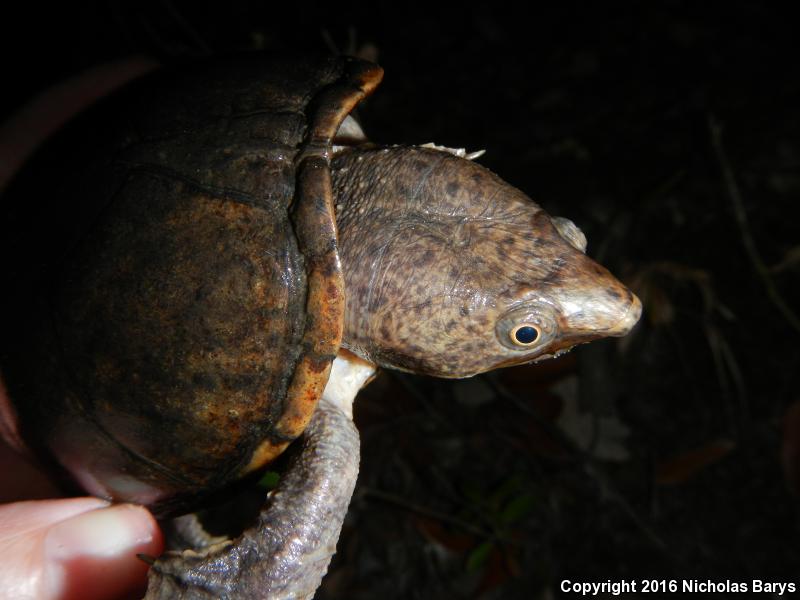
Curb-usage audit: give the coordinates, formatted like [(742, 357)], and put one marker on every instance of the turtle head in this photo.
[(451, 272)]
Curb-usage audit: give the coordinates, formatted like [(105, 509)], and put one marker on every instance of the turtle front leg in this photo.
[(286, 552)]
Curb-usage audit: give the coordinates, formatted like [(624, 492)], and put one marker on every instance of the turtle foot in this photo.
[(287, 551)]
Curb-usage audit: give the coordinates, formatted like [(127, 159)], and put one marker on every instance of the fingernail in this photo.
[(100, 533), (94, 554)]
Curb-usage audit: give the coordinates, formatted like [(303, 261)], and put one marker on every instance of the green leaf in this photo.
[(477, 558), (269, 480), (518, 507), (506, 489)]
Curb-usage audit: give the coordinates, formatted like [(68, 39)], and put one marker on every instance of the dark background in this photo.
[(671, 454)]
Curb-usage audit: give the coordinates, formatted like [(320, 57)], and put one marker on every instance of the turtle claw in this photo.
[(287, 551)]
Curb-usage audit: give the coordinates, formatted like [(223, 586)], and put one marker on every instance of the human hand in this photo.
[(69, 547), (75, 548)]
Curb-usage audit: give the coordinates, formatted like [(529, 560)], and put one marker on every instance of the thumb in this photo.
[(75, 548)]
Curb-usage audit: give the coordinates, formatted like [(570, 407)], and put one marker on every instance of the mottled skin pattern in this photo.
[(180, 293), (443, 259)]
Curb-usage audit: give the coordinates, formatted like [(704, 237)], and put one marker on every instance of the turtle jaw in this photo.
[(586, 303), (611, 312), (590, 302), (618, 327), (628, 321)]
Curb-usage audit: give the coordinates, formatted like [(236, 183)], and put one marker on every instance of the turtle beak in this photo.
[(594, 304), (629, 320)]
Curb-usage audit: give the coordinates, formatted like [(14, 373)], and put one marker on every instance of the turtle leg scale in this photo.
[(287, 552)]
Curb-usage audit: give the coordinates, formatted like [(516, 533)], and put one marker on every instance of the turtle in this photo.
[(193, 254)]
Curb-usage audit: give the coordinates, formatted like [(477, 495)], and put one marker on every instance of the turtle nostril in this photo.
[(628, 320)]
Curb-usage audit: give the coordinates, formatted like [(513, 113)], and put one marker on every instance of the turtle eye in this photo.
[(525, 335), (528, 328)]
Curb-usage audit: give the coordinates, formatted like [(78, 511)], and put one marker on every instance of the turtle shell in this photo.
[(177, 329)]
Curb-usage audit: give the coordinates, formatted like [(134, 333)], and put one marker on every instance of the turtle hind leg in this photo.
[(275, 558)]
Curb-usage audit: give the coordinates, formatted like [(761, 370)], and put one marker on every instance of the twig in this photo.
[(588, 463), (744, 228), (434, 514)]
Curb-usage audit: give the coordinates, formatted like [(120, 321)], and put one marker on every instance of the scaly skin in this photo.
[(286, 552), (442, 260)]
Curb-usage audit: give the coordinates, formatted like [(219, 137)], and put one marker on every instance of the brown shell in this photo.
[(188, 313)]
